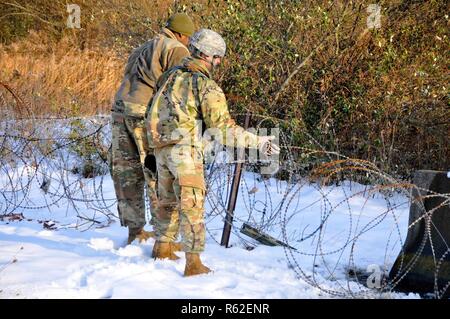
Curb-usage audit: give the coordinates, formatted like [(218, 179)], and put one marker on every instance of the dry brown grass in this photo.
[(62, 81), (66, 72)]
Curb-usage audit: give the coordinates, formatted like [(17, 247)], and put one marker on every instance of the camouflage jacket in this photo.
[(187, 101), (144, 67)]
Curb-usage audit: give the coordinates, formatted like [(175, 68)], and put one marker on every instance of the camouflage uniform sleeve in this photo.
[(216, 116)]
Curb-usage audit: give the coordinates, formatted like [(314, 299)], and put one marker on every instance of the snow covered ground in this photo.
[(60, 236), (333, 229)]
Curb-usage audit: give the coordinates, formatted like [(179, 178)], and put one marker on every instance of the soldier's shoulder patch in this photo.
[(211, 90)]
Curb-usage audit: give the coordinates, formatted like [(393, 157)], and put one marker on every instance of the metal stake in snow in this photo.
[(234, 191)]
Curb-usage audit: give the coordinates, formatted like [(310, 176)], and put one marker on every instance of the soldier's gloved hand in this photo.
[(266, 146)]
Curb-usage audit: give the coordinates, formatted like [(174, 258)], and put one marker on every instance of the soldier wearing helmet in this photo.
[(132, 161), (187, 95)]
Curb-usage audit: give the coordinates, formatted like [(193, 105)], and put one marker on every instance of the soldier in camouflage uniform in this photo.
[(186, 96), (132, 161)]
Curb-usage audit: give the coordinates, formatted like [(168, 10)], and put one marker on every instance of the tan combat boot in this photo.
[(163, 250), (194, 265), (140, 234), (177, 246)]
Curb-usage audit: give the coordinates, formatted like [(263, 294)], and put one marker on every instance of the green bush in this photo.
[(380, 95)]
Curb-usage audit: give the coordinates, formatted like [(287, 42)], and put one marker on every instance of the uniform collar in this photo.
[(195, 65), (168, 34)]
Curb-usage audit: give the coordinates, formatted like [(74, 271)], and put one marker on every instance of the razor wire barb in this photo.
[(48, 154)]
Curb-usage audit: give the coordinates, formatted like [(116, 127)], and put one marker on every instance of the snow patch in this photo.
[(101, 244), (130, 251), (46, 233)]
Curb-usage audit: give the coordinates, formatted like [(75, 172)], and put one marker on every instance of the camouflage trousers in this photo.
[(132, 166), (181, 191)]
